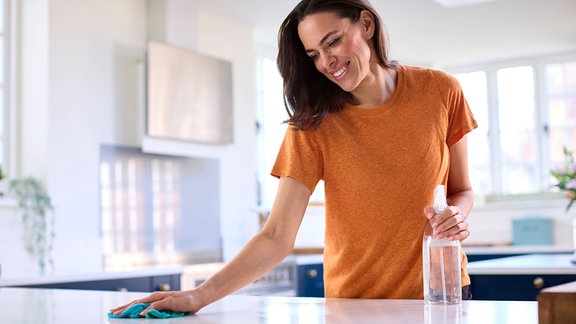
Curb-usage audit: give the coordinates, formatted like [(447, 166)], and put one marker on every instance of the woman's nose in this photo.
[(328, 60)]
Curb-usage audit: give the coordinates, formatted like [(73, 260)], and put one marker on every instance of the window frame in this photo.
[(9, 137), (543, 163)]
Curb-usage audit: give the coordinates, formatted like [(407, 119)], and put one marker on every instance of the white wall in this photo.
[(80, 88), (233, 42), (238, 174)]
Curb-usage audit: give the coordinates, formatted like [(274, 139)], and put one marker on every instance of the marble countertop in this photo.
[(53, 306), (526, 264)]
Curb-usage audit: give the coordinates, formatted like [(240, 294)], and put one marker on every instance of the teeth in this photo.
[(340, 72)]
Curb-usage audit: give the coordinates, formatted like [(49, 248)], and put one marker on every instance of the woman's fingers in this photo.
[(181, 301), (451, 224), (148, 299)]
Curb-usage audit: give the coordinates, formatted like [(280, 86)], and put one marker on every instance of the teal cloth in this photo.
[(135, 310)]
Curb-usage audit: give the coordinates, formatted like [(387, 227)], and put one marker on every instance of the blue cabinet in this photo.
[(132, 284), (141, 283), (519, 277), (514, 287), (310, 280), (309, 275)]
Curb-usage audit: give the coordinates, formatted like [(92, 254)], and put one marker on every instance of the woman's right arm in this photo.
[(265, 250)]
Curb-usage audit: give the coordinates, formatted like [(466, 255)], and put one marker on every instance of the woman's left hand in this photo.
[(450, 224)]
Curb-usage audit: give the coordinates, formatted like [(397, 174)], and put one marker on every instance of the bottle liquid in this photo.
[(441, 261)]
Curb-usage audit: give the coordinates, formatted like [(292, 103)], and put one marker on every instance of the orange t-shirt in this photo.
[(380, 167)]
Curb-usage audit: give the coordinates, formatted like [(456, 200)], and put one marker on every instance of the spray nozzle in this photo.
[(439, 199)]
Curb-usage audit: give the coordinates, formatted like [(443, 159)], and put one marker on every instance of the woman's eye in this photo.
[(313, 57), (334, 42)]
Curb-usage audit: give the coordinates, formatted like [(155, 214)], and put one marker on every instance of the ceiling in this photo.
[(424, 32)]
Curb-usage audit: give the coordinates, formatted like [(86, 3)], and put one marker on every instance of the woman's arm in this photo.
[(460, 197), (265, 250)]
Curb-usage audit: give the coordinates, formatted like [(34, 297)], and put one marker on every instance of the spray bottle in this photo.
[(441, 261)]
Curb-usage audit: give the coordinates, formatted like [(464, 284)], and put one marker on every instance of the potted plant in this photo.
[(566, 182), (566, 177), (36, 219)]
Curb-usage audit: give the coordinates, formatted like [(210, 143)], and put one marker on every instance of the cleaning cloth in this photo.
[(135, 310)]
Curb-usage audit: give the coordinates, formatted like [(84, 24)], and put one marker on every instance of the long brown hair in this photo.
[(309, 95)]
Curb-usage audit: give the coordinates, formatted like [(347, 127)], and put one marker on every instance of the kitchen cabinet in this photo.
[(309, 278), (519, 277), (147, 280)]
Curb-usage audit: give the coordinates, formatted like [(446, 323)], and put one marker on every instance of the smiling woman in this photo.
[(363, 124)]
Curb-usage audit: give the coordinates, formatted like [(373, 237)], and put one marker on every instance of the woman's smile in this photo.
[(338, 74)]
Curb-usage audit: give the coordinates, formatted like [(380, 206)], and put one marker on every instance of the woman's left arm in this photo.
[(452, 223)]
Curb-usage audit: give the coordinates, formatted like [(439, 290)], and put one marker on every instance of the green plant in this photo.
[(37, 224), (566, 177)]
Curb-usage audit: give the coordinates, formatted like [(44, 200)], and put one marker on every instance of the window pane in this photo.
[(517, 122), (2, 14), (561, 78), (272, 128), (561, 101), (474, 85), (2, 57), (2, 113)]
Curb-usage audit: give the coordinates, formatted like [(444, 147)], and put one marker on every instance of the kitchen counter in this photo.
[(142, 280), (54, 306), (106, 275), (525, 264)]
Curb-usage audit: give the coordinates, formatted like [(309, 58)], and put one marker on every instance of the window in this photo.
[(560, 99), (526, 114), (272, 115), (4, 86), (271, 129), (476, 87)]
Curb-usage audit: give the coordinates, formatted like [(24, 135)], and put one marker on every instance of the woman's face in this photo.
[(339, 48)]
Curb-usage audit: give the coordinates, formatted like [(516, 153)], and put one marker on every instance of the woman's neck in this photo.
[(376, 90)]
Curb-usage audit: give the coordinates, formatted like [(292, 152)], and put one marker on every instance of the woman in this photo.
[(380, 135)]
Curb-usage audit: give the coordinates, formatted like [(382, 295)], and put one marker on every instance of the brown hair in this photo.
[(308, 95)]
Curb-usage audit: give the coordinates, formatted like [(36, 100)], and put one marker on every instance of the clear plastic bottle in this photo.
[(441, 262)]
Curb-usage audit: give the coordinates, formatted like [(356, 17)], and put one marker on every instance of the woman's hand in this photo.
[(450, 224), (176, 301)]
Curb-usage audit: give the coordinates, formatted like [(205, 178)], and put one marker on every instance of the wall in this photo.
[(81, 87), (211, 35)]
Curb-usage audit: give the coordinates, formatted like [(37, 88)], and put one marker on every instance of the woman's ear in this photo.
[(367, 23)]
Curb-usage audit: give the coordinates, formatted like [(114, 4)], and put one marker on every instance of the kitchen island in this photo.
[(59, 306), (520, 277)]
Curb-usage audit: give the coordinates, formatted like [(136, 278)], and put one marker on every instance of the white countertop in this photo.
[(107, 275), (517, 249), (526, 264), (53, 306)]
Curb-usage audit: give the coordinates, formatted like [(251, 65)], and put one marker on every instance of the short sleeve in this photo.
[(460, 118), (299, 157)]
